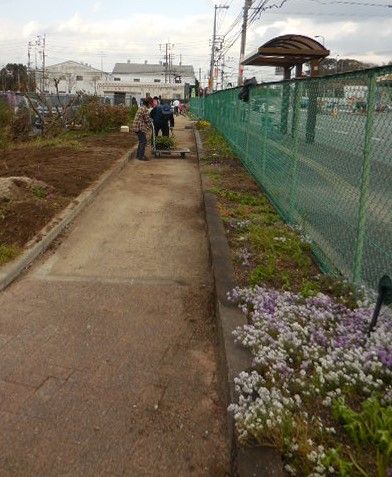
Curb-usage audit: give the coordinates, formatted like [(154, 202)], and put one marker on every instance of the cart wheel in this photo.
[(183, 155)]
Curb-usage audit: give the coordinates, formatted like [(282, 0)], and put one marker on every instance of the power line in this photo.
[(262, 6), (321, 14), (343, 2)]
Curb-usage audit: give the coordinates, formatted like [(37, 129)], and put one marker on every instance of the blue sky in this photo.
[(104, 32)]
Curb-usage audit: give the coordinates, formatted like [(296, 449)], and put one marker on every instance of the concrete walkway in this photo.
[(107, 347)]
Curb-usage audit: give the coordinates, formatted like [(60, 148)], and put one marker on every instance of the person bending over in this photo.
[(141, 126), (163, 119)]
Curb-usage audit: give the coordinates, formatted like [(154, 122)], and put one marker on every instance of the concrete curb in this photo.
[(245, 461), (40, 243)]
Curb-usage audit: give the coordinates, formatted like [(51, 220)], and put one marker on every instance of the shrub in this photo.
[(21, 124), (5, 115), (5, 124), (98, 117), (202, 125), (132, 113)]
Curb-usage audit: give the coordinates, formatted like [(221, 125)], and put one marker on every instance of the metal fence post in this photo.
[(284, 113), (295, 160), (264, 136), (247, 124), (312, 111), (365, 179)]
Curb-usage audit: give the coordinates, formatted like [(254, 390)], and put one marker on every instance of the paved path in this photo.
[(107, 349)]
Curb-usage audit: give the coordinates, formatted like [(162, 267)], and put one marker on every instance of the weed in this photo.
[(284, 261), (244, 198), (63, 140), (216, 145), (214, 175), (370, 428), (39, 192), (7, 253), (203, 125)]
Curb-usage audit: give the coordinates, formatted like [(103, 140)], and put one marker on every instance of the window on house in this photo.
[(136, 80), (79, 78), (157, 80), (117, 79)]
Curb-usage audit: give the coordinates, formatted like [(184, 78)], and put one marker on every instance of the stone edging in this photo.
[(40, 243), (245, 461)]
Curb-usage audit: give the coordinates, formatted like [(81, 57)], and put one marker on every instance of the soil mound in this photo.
[(16, 187)]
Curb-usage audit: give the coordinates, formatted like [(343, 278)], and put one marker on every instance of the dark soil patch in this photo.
[(67, 170), (22, 219)]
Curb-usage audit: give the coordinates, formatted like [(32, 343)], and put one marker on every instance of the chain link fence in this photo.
[(321, 149)]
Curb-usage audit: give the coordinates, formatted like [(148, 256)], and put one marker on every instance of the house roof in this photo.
[(71, 63), (142, 68)]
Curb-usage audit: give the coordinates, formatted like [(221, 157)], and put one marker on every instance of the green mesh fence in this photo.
[(322, 150)]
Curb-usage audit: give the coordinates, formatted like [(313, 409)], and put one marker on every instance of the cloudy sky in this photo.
[(104, 32)]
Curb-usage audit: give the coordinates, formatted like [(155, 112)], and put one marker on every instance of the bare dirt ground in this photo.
[(108, 359), (64, 171)]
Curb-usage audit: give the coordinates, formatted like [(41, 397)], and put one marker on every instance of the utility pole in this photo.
[(247, 6), (166, 61), (168, 47), (29, 84), (102, 55), (43, 61), (212, 64)]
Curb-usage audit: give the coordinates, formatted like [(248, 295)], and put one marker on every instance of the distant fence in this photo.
[(322, 151)]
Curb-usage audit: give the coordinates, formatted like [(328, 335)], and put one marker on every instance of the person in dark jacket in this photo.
[(163, 119)]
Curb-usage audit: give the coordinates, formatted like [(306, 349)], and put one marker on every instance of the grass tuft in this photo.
[(7, 253)]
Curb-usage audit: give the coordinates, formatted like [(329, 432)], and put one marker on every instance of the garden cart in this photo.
[(165, 152)]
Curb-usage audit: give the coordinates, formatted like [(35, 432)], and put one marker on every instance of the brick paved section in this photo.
[(107, 346)]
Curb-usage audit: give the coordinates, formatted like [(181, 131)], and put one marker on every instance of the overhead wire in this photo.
[(261, 6), (264, 6), (351, 2)]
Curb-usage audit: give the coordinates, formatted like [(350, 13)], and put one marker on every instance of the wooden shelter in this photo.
[(288, 51)]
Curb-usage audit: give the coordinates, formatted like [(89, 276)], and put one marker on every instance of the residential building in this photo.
[(127, 81), (70, 78), (138, 80)]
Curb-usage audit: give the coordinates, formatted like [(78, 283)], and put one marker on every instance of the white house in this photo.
[(137, 80), (71, 77)]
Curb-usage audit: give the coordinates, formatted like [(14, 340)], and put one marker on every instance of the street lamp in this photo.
[(323, 39)]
